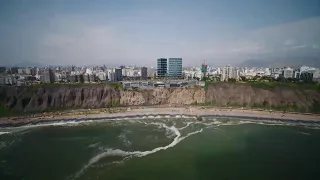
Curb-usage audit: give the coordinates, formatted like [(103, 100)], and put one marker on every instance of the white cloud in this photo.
[(75, 41), (289, 42), (297, 38)]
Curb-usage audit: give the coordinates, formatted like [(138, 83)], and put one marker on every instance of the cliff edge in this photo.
[(58, 97)]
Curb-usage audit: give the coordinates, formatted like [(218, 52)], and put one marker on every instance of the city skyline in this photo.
[(137, 32)]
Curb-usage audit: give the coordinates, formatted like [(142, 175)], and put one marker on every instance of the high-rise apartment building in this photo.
[(287, 73), (48, 76), (175, 67), (2, 69), (162, 67), (144, 73), (229, 72), (118, 74)]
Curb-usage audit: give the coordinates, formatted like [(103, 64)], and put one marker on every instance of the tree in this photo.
[(205, 78), (243, 78), (233, 80)]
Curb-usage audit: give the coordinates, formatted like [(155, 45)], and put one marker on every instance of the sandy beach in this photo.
[(149, 111)]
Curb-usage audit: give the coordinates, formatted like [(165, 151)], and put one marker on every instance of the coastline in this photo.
[(194, 111)]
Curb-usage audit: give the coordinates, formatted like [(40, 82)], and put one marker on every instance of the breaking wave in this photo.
[(127, 154)]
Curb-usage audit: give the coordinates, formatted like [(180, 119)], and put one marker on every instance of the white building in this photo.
[(110, 75), (20, 71), (88, 71), (316, 75), (229, 72), (28, 71), (288, 73), (101, 76)]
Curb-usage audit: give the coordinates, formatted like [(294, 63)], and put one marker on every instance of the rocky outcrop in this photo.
[(36, 98)]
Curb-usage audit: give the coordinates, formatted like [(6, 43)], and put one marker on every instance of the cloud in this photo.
[(75, 39), (289, 42), (293, 39), (298, 47), (107, 44)]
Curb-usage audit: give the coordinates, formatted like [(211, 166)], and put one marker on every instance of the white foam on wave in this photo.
[(188, 123), (123, 137), (127, 154), (108, 152), (1, 133), (304, 133), (94, 145)]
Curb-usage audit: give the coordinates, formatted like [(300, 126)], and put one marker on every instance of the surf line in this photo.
[(128, 154)]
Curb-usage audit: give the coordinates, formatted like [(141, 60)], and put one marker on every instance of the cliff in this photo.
[(34, 99), (44, 98), (297, 98)]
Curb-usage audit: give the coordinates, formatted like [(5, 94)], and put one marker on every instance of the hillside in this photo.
[(47, 98)]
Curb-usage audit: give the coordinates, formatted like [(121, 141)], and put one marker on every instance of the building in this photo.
[(175, 68), (101, 76), (34, 71), (48, 76), (14, 70), (110, 75), (92, 78), (27, 71), (20, 71), (2, 69), (9, 80), (306, 76), (86, 78), (287, 73), (204, 69), (162, 67), (73, 78), (228, 73), (296, 74), (80, 78), (2, 80), (144, 73), (118, 74), (316, 75)]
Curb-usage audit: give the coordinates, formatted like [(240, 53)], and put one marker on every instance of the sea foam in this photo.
[(128, 154)]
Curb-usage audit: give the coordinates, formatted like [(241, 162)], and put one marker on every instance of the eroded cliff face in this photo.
[(162, 96), (29, 99), (225, 94), (32, 99)]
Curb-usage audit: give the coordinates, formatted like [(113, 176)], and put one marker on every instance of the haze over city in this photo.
[(138, 32)]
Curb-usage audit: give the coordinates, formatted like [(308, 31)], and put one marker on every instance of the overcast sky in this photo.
[(137, 32)]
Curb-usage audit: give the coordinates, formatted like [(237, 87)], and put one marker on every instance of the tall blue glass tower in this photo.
[(175, 67)]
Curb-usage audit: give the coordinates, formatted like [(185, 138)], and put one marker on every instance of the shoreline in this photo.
[(202, 112)]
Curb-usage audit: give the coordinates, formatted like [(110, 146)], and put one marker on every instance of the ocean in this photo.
[(158, 147)]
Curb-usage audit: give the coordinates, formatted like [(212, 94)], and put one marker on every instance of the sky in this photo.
[(137, 32)]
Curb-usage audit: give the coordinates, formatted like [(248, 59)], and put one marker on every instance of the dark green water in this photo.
[(160, 149)]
